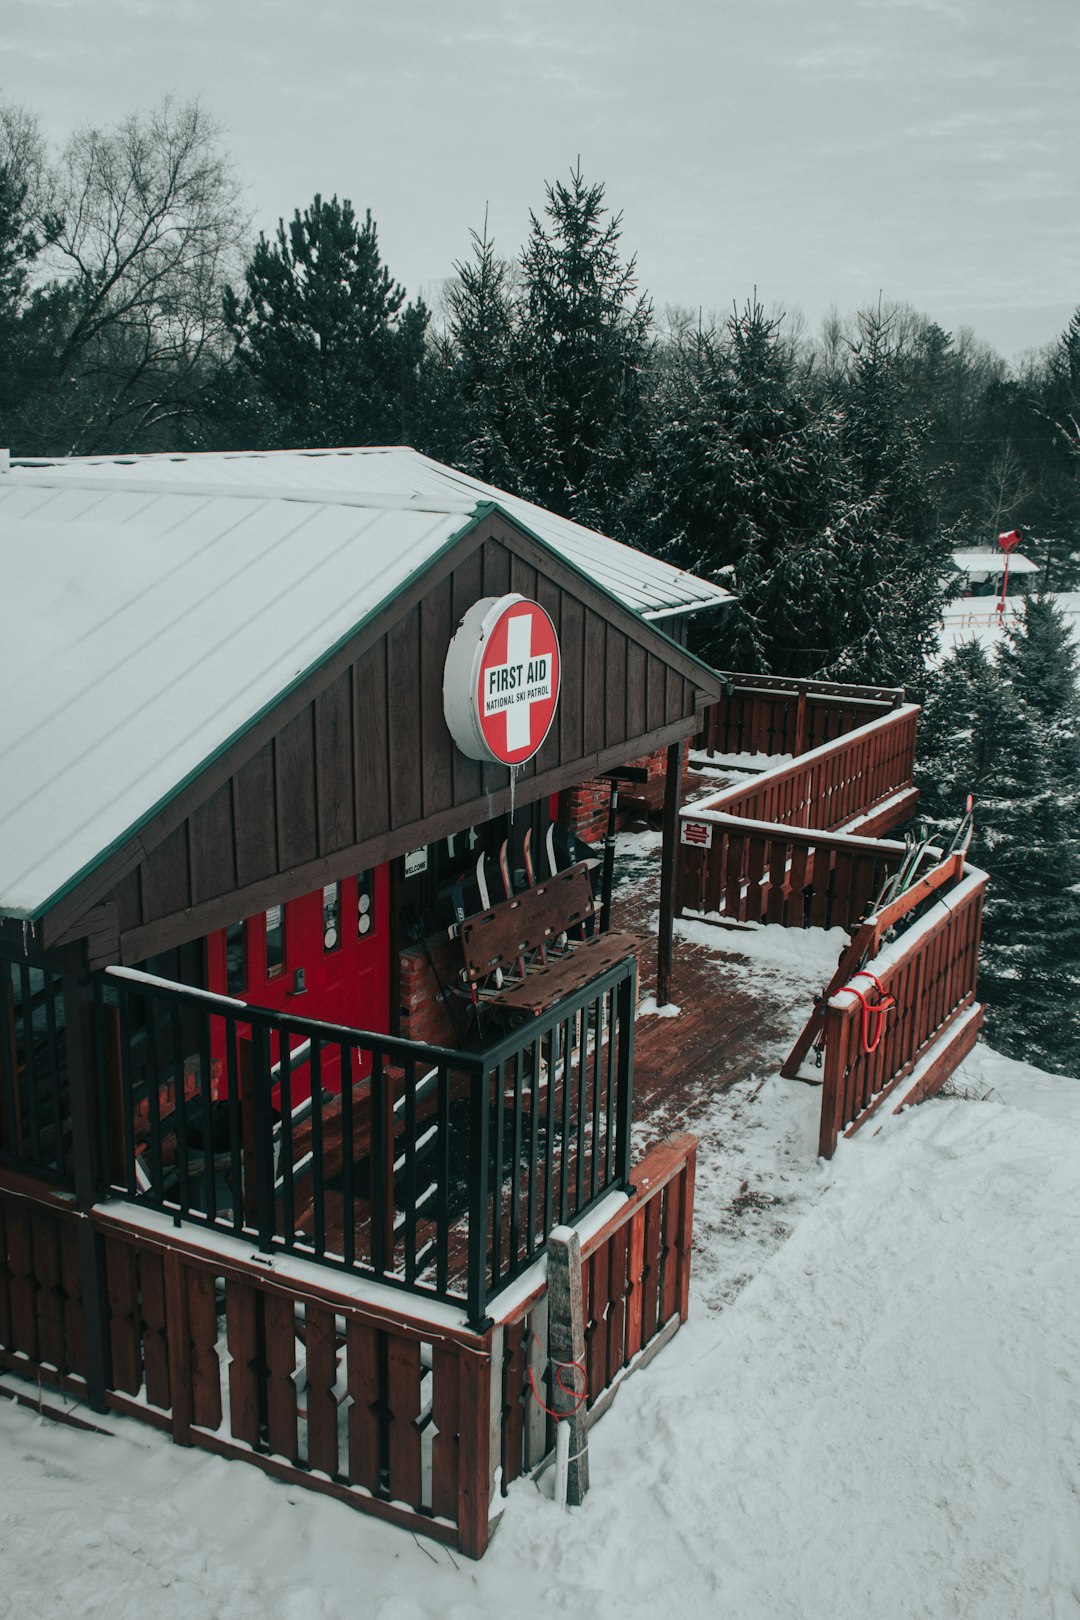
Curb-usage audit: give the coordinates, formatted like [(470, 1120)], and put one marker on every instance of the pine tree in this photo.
[(582, 349), (331, 352), (1038, 657), (978, 735), (893, 552), (482, 358), (743, 483)]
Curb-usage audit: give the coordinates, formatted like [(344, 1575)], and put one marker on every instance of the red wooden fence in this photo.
[(833, 784), (768, 714), (324, 1383), (278, 1367), (930, 974), (635, 1289), (758, 872), (768, 850), (41, 1304)]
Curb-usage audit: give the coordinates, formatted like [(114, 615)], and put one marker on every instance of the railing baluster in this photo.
[(442, 1197), (207, 1111), (153, 1096), (232, 1093), (127, 1091), (567, 1081), (410, 1170), (179, 1108), (583, 1071), (549, 1133), (380, 1239), (12, 1143), (626, 997), (26, 1003), (534, 1138), (599, 1006), (285, 1109), (348, 1205), (318, 1186), (54, 1071), (515, 1163), (498, 1175), (479, 1162), (264, 1135)]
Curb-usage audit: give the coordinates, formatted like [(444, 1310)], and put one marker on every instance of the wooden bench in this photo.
[(519, 955)]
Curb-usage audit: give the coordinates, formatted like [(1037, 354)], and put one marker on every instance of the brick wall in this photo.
[(584, 808), (424, 1014)]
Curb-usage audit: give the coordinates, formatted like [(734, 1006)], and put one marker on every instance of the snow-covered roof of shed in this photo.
[(993, 562), (153, 607)]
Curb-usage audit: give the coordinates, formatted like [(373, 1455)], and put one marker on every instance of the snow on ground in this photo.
[(874, 1411), (975, 618)]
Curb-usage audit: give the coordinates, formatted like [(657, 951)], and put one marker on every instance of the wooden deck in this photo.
[(729, 1023)]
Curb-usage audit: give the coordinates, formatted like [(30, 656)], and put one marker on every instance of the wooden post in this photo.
[(475, 1373), (668, 855), (800, 721), (566, 1346)]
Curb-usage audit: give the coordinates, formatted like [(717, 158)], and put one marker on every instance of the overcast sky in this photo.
[(822, 150)]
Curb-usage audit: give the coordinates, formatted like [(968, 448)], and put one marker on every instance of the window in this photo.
[(236, 972), (275, 941), (331, 911)]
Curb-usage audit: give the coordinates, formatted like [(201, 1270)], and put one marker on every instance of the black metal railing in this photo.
[(35, 1099), (435, 1170)]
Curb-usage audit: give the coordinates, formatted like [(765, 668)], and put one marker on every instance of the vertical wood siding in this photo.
[(370, 755)]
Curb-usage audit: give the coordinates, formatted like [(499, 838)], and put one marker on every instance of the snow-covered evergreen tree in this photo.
[(979, 734), (482, 363), (894, 553), (329, 349), (744, 482), (583, 345)]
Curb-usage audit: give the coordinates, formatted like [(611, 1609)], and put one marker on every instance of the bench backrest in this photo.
[(519, 926)]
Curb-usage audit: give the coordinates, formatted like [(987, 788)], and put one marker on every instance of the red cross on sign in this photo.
[(501, 680)]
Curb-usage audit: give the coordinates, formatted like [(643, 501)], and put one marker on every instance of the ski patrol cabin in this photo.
[(310, 1031), (315, 1035)]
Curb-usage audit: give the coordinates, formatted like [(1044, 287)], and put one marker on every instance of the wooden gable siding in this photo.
[(365, 767)]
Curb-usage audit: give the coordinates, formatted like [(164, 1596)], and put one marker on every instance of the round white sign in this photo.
[(501, 680)]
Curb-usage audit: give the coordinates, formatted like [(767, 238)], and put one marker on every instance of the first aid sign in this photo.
[(501, 680)]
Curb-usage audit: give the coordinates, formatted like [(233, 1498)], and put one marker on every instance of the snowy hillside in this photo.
[(879, 1416)]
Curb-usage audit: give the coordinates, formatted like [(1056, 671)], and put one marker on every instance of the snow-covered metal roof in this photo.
[(153, 607), (396, 476), (992, 562)]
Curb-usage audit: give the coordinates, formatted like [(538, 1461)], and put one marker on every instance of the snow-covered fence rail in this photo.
[(635, 1286), (928, 975), (771, 850), (768, 714), (834, 783)]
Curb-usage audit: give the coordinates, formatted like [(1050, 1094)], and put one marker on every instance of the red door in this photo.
[(325, 955)]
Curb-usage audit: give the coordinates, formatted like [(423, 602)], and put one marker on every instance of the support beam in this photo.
[(668, 856)]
